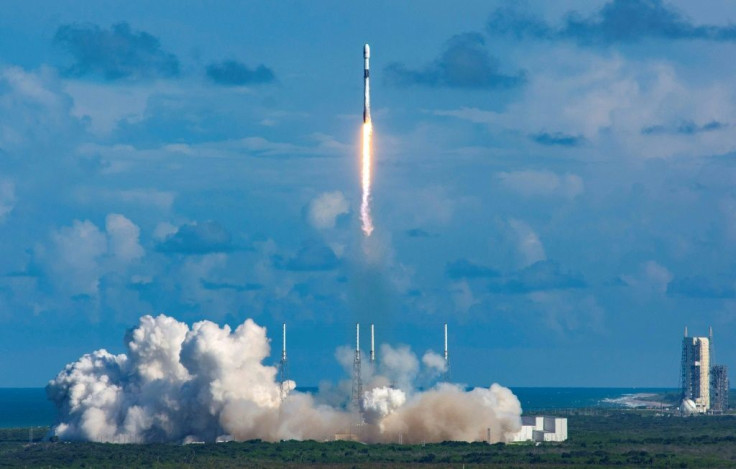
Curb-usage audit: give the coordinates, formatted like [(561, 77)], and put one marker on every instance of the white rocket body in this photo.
[(366, 84)]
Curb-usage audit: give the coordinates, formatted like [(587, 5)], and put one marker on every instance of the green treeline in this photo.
[(613, 438)]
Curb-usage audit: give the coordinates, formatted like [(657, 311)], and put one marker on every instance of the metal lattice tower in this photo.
[(719, 388), (718, 380), (684, 382), (283, 367), (357, 377), (447, 358)]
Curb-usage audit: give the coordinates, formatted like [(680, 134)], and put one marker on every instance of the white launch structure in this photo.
[(696, 363), (541, 428)]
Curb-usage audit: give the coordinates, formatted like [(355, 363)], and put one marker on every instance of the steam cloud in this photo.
[(204, 383)]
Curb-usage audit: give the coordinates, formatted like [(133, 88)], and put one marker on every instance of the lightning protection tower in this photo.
[(357, 378), (283, 366), (447, 358), (373, 347)]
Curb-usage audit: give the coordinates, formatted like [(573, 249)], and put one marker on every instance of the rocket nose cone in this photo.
[(366, 51)]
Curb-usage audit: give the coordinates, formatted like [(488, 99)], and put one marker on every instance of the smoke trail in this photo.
[(365, 205), (178, 384)]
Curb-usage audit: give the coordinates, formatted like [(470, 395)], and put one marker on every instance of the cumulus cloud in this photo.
[(610, 99), (324, 210), (464, 63), (463, 298), (80, 254), (76, 251), (234, 73), (35, 115), (651, 276), (531, 183), (528, 244), (618, 21), (197, 238), (115, 53), (122, 235)]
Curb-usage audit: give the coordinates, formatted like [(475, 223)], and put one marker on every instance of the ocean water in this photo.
[(27, 407), (574, 398)]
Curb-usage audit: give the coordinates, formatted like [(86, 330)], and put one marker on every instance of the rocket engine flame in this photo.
[(365, 205)]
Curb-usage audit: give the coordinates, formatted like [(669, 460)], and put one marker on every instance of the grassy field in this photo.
[(613, 438)]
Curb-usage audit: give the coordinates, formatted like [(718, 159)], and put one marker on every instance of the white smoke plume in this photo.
[(434, 362), (207, 382), (447, 412), (380, 402)]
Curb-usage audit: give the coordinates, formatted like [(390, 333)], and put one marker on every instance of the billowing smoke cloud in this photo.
[(447, 412), (434, 362), (178, 384)]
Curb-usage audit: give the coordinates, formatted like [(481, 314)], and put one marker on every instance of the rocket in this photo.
[(366, 84)]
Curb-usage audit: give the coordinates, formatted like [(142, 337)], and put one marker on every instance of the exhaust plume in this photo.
[(177, 383), (365, 205)]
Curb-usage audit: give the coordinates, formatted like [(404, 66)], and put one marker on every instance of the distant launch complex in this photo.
[(704, 384)]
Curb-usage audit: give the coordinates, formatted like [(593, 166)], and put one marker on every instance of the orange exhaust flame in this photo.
[(365, 206)]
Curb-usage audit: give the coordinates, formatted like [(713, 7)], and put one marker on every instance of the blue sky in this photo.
[(554, 180)]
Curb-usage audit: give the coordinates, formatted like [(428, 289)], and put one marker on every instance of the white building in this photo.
[(696, 373), (539, 428)]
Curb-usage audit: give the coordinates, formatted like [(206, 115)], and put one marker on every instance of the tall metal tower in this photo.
[(719, 388), (373, 347), (447, 358), (357, 378), (283, 366)]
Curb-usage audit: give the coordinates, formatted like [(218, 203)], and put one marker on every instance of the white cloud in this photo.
[(462, 296), (542, 183), (528, 244), (76, 251), (123, 237), (81, 254), (34, 112), (609, 100), (325, 208), (651, 277), (163, 230)]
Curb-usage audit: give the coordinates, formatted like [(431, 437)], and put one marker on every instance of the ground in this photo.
[(597, 438)]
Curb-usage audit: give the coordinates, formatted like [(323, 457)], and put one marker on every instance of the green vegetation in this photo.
[(610, 438)]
